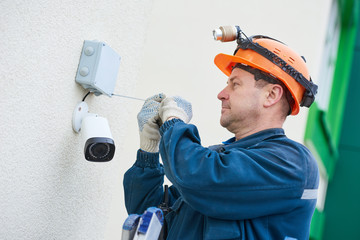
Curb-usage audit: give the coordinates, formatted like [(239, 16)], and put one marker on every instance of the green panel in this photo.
[(317, 225), (323, 128), (344, 60), (349, 22), (343, 196), (319, 142), (347, 13), (351, 127), (343, 199), (333, 137)]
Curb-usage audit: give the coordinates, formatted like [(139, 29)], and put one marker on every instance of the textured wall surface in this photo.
[(47, 189)]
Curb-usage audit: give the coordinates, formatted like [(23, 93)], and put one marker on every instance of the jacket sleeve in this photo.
[(143, 184), (237, 183)]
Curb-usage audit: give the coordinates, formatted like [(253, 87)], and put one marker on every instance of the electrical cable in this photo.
[(86, 96), (134, 98), (118, 95)]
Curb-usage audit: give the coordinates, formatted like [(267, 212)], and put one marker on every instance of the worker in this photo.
[(258, 184)]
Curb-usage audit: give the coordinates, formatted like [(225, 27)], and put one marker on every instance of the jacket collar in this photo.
[(254, 138)]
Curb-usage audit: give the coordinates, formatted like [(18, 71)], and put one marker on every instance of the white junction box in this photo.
[(98, 68)]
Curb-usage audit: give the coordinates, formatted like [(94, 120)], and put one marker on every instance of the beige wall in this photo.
[(47, 189)]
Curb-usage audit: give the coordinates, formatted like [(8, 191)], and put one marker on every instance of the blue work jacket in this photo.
[(263, 186)]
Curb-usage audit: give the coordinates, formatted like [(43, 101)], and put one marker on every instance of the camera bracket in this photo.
[(80, 112)]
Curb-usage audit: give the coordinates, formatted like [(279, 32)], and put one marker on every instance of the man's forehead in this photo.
[(240, 73)]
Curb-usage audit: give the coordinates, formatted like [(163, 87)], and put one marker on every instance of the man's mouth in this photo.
[(224, 107)]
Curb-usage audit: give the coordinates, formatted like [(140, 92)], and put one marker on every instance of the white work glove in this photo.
[(175, 107), (148, 119)]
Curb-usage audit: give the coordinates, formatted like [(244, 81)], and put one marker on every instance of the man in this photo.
[(257, 185)]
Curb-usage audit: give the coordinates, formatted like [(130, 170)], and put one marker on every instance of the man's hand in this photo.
[(175, 107), (148, 118)]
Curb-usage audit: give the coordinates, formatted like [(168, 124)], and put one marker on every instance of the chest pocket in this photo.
[(222, 229)]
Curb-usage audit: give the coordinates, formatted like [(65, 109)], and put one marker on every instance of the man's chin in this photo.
[(223, 122)]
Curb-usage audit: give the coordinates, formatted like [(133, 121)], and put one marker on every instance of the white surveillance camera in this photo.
[(99, 145)]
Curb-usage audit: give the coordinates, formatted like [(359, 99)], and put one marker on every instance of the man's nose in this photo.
[(223, 95)]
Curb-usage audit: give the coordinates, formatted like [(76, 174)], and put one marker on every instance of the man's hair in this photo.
[(267, 79)]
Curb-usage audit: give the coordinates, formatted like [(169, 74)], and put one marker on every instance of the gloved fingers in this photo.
[(150, 135), (153, 121), (175, 107), (183, 104), (149, 109), (152, 103), (148, 118), (147, 115), (150, 138), (157, 98)]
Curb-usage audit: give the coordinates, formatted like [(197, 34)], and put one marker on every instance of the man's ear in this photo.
[(273, 94)]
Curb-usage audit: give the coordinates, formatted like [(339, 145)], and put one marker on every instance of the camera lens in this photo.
[(99, 149)]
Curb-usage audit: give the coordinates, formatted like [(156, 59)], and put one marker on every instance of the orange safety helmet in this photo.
[(275, 58)]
